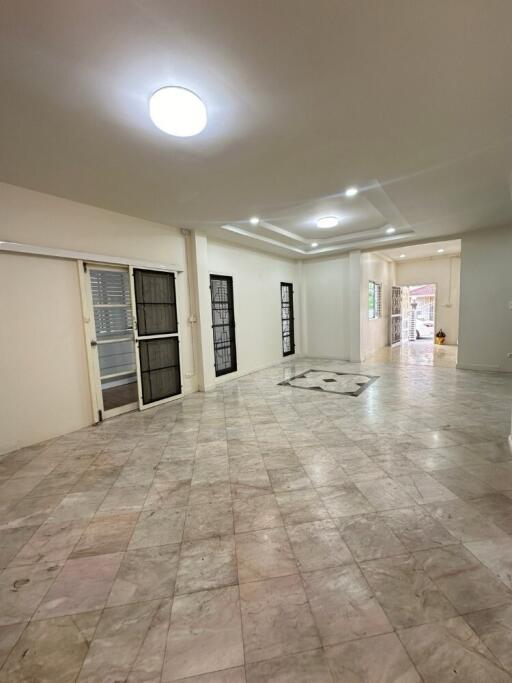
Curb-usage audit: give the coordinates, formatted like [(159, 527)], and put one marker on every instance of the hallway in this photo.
[(419, 352)]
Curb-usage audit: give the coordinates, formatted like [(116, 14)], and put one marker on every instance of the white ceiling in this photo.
[(410, 101), (430, 250)]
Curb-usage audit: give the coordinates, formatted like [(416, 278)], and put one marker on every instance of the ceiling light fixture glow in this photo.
[(254, 220), (390, 230), (440, 251), (402, 255), (351, 192), (327, 222), (177, 111), (314, 244)]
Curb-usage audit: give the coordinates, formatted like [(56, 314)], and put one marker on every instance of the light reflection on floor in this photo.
[(420, 352)]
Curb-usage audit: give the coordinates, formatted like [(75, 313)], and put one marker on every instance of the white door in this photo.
[(112, 339), (156, 336)]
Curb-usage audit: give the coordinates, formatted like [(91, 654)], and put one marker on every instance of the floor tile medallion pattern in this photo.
[(257, 533), (344, 383)]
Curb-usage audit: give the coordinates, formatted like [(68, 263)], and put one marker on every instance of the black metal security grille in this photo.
[(287, 319), (159, 368), (157, 334), (223, 324), (155, 295)]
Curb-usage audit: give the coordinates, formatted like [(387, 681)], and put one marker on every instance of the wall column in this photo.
[(355, 306), (197, 245)]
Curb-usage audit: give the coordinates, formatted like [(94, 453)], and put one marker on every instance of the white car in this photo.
[(424, 329)]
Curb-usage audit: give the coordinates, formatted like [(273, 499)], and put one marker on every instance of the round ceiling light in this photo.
[(351, 192), (177, 111), (440, 251), (402, 255), (314, 244), (254, 220), (327, 222), (390, 230)]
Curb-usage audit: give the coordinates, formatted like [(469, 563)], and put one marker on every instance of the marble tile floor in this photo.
[(265, 533)]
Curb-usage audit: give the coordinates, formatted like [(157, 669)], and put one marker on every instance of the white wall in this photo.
[(43, 366), (44, 390), (375, 333), (486, 296), (257, 281), (444, 272), (326, 285)]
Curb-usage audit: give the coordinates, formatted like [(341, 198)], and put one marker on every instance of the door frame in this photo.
[(394, 316), (426, 284), (99, 412), (291, 293), (141, 404), (227, 276)]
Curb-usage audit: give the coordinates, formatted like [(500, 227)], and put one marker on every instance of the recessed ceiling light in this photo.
[(402, 255), (254, 220), (351, 192), (440, 251), (327, 222), (314, 244), (390, 230), (177, 111)]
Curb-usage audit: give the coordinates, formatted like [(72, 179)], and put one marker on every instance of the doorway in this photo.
[(131, 326), (223, 324)]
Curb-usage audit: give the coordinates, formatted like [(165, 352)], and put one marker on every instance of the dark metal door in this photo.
[(287, 319), (157, 336), (223, 324)]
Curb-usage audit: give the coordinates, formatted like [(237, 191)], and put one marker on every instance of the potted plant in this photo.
[(440, 337)]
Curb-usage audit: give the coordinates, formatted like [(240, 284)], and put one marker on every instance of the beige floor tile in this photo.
[(440, 649), (302, 506), (406, 593), (106, 534), (463, 579), (276, 619), (343, 606), (51, 650), (463, 521), (496, 554), (306, 667), (416, 529), (205, 521), (158, 527), (205, 564), (494, 628), (257, 512), (23, 588), (205, 634), (378, 659), (145, 574), (264, 554), (318, 545), (369, 537), (120, 636), (344, 500), (83, 585)]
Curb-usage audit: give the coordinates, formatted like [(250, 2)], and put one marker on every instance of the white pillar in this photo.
[(355, 306), (200, 278)]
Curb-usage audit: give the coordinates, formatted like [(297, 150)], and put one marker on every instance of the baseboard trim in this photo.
[(479, 367), (238, 374)]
